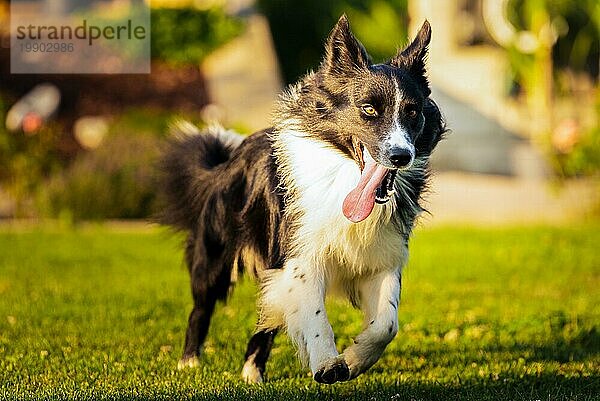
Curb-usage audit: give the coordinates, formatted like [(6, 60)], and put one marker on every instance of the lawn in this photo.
[(486, 314)]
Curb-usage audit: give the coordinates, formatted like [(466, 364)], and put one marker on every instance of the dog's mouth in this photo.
[(386, 190), (376, 185)]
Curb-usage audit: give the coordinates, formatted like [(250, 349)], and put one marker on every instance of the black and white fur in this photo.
[(270, 205)]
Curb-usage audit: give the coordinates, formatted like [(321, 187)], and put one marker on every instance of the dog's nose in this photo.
[(400, 157)]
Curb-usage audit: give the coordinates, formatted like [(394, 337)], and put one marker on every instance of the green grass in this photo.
[(486, 314)]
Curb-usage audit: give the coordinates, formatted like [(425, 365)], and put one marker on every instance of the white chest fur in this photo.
[(319, 178)]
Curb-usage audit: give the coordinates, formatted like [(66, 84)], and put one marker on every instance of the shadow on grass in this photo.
[(583, 346), (527, 388), (545, 387)]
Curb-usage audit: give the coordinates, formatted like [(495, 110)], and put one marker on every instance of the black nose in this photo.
[(400, 157)]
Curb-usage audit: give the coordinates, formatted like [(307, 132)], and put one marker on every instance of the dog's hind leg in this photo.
[(210, 282), (198, 323), (257, 354)]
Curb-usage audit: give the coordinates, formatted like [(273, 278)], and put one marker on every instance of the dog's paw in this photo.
[(188, 362), (251, 374), (333, 370)]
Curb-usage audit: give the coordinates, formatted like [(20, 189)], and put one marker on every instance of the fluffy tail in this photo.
[(186, 171)]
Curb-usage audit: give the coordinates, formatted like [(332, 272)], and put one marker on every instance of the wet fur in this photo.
[(270, 205)]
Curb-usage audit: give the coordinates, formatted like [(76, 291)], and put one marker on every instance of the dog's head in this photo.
[(385, 106), (378, 114)]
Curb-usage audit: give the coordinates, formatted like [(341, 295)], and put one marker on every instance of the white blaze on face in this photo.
[(398, 137)]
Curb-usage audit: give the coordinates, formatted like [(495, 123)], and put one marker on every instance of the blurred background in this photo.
[(517, 81)]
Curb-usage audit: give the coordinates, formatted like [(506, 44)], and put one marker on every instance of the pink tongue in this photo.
[(359, 203)]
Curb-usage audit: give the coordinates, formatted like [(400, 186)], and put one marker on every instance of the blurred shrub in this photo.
[(188, 35), (26, 161), (562, 62), (584, 159), (181, 35), (117, 180), (577, 23), (300, 29)]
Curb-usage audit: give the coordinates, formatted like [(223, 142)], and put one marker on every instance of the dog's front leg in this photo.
[(379, 298), (307, 323)]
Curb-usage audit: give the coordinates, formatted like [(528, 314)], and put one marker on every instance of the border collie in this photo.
[(322, 202)]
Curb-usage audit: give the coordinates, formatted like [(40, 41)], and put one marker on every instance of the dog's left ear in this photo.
[(412, 57), (344, 54)]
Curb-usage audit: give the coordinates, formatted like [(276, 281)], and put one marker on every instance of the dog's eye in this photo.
[(411, 111), (369, 110)]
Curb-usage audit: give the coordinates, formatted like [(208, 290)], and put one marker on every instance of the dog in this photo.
[(322, 202)]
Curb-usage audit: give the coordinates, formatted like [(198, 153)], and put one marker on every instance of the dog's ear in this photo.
[(412, 57), (433, 130), (344, 54)]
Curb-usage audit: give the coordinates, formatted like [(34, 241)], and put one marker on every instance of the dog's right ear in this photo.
[(344, 54)]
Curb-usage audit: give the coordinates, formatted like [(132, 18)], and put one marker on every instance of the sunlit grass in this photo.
[(486, 314)]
